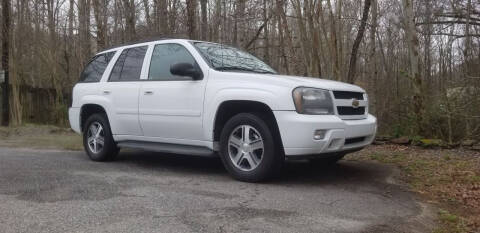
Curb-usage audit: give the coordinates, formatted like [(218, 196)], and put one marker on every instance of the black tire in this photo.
[(109, 150), (333, 159), (272, 159)]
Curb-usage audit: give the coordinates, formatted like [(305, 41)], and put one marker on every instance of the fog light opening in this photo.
[(319, 134)]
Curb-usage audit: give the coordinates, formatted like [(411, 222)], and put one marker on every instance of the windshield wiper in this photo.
[(226, 68)]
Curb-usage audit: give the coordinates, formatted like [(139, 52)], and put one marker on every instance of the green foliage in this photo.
[(445, 118), (431, 143), (416, 140), (61, 115), (451, 223), (398, 130)]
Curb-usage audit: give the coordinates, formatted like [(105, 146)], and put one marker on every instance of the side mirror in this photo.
[(186, 69)]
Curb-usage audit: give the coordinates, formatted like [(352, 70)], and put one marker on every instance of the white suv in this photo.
[(207, 99)]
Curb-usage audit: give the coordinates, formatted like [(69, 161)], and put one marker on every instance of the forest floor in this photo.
[(40, 137), (446, 178)]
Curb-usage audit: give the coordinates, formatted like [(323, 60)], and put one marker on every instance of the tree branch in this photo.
[(448, 22), (260, 29), (358, 40)]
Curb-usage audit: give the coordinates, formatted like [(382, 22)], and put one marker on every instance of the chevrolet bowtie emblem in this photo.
[(355, 103)]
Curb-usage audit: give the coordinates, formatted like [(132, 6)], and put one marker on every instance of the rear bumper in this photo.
[(297, 133), (74, 118)]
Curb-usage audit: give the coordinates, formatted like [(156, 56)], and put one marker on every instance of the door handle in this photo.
[(106, 92), (148, 92)]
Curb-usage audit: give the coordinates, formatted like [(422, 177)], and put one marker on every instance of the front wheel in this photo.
[(97, 139), (248, 150)]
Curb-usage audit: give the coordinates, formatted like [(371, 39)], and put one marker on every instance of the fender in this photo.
[(228, 94), (102, 102)]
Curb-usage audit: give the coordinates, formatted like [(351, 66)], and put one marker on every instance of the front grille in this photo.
[(347, 95), (354, 140), (350, 111)]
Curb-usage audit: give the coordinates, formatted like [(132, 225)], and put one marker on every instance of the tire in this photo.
[(243, 159), (328, 160), (97, 152)]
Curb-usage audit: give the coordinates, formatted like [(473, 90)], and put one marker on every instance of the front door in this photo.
[(171, 107)]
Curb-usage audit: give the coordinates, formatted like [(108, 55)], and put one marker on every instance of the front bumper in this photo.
[(74, 118), (297, 133)]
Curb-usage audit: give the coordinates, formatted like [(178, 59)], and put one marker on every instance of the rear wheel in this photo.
[(248, 150), (97, 139)]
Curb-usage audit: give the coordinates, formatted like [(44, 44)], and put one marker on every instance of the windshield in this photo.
[(226, 58)]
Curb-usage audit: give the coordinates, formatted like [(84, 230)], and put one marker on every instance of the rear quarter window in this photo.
[(94, 70), (129, 65)]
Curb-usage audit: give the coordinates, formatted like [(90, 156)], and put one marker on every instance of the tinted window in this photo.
[(129, 65), (165, 55), (94, 70)]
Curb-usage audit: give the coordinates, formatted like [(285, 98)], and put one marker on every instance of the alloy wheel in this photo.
[(245, 147), (95, 137)]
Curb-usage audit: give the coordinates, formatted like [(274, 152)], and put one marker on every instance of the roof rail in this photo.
[(144, 40)]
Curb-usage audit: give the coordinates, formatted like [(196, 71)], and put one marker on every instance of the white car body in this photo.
[(184, 112)]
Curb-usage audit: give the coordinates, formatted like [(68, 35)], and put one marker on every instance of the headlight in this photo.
[(313, 101)]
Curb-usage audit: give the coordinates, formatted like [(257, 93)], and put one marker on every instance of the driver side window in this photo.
[(165, 55)]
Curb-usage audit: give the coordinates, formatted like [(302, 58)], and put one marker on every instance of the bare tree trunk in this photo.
[(372, 60), (191, 12), (99, 11), (427, 31), (266, 50), (339, 37), (129, 13), (287, 34), (71, 18), (415, 65), (334, 43), (172, 16), (5, 63), (146, 6), (161, 17), (468, 38), (303, 38), (358, 40), (204, 32), (329, 51), (84, 29), (315, 41), (239, 33), (116, 22), (282, 38), (217, 18)]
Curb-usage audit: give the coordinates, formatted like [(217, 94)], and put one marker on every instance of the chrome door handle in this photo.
[(106, 92), (148, 93)]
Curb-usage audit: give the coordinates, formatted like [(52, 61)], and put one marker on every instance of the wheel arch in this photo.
[(229, 108), (89, 109)]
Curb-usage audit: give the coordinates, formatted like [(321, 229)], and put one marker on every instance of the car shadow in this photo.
[(293, 172)]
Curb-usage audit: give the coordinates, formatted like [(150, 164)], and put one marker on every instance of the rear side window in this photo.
[(96, 67), (129, 65)]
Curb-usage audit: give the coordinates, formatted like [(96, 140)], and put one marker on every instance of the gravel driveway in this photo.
[(60, 191)]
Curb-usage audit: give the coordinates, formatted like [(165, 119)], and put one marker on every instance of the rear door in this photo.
[(122, 89), (171, 107)]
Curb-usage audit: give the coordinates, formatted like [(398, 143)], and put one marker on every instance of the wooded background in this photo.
[(418, 60)]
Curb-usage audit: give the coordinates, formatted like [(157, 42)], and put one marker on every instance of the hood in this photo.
[(296, 81), (320, 83)]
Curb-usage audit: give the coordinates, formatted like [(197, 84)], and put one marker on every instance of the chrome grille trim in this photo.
[(344, 107)]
